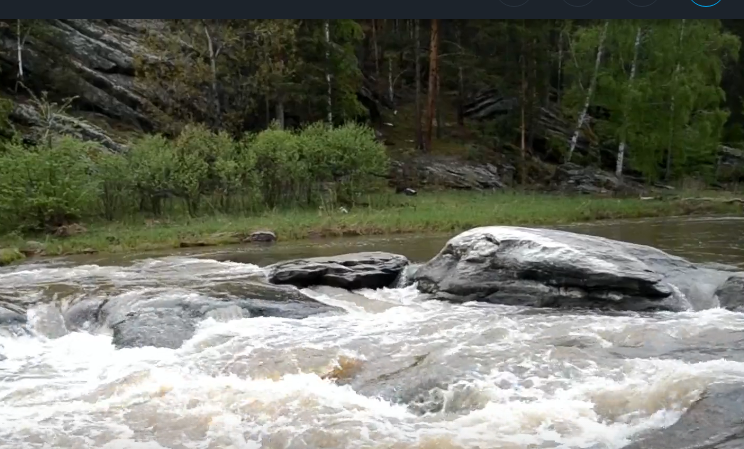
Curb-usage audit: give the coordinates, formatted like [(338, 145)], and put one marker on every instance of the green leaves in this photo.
[(671, 111), (42, 188)]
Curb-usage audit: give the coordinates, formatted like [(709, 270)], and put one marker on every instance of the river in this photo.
[(394, 372)]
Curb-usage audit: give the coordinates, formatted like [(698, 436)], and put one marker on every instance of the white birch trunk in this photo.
[(633, 68), (589, 93), (213, 67), (560, 66), (328, 70), (19, 45)]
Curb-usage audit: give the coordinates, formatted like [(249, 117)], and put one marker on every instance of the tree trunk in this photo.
[(419, 133), (327, 27), (376, 48), (560, 67), (523, 124), (439, 110), (590, 92), (633, 68), (460, 82), (213, 68), (432, 91), (280, 112), (19, 46), (391, 87), (668, 172)]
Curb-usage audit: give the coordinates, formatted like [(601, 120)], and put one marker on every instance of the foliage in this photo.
[(200, 171), (42, 187)]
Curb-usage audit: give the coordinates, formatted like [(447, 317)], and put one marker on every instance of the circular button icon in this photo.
[(578, 3), (514, 3), (706, 3), (641, 3)]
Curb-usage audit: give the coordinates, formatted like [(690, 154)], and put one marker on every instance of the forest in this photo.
[(106, 118)]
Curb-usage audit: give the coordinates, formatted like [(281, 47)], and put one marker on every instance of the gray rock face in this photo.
[(574, 178), (549, 268), (731, 293), (100, 55), (453, 174), (350, 271), (168, 322), (716, 421)]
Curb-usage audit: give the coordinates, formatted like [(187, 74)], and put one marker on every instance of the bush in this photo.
[(42, 188), (199, 171)]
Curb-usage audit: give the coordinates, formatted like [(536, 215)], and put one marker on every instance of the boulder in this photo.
[(715, 421), (550, 268), (350, 271), (731, 293), (166, 321), (262, 236)]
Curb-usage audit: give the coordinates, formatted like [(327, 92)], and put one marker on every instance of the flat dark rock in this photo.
[(716, 421), (550, 268), (350, 271)]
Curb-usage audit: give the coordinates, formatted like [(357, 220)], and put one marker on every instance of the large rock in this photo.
[(716, 421), (350, 271), (731, 293), (452, 174), (573, 178), (168, 320), (550, 268)]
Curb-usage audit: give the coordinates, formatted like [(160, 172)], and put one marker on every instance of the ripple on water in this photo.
[(394, 372)]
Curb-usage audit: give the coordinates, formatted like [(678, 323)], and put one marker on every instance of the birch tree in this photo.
[(590, 91), (626, 109)]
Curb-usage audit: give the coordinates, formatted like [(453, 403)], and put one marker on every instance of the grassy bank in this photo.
[(443, 212)]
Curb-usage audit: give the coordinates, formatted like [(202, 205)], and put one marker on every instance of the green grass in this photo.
[(426, 213), (10, 255)]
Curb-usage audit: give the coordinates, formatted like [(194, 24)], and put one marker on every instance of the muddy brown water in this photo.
[(393, 372)]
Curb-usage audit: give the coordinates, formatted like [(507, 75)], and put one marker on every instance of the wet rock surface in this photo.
[(559, 269), (169, 321), (716, 421), (731, 293), (349, 271)]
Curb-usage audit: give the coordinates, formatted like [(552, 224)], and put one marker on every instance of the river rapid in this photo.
[(396, 371)]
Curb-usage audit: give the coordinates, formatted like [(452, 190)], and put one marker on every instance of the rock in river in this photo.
[(167, 320), (714, 422), (350, 271), (550, 268)]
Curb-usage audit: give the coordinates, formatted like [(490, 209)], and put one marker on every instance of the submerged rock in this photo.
[(350, 271), (716, 421), (550, 268), (167, 320)]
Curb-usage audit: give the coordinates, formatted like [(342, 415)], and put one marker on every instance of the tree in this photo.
[(419, 133), (590, 92), (432, 88)]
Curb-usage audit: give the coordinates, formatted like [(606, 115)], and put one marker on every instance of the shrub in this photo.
[(47, 187), (199, 170)]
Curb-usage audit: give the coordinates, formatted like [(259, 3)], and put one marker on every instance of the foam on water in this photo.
[(424, 374)]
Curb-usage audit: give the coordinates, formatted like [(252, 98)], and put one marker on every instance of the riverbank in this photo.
[(427, 212)]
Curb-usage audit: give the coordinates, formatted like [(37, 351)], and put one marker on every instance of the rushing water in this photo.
[(393, 372)]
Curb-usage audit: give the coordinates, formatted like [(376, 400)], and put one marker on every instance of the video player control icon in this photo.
[(514, 3)]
